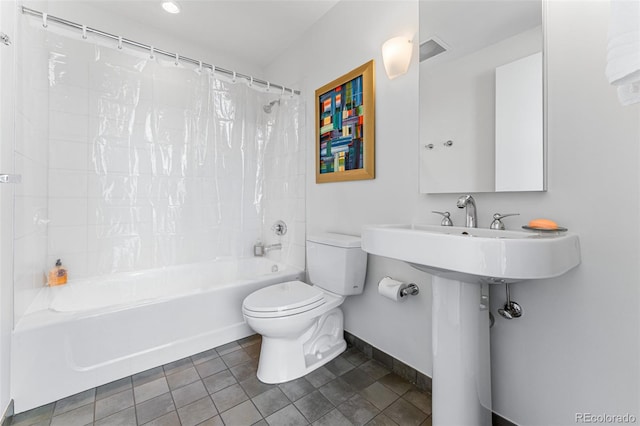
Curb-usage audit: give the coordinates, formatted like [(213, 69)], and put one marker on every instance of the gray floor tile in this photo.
[(219, 381), (358, 410), (358, 379), (197, 412), (296, 389), (34, 416), (204, 356), (169, 419), (404, 413), (125, 417), (236, 357), (74, 401), (113, 388), (288, 416), (339, 366), (262, 422), (253, 351), (114, 403), (249, 341), (245, 370), (379, 395), (229, 397), (80, 416), (382, 420), (428, 421), (395, 383), (270, 401), (333, 418), (254, 387), (355, 357), (313, 406), (337, 391), (320, 376), (188, 394), (374, 369), (216, 421), (213, 366), (182, 378), (228, 348), (175, 366), (154, 408), (242, 414), (421, 400), (151, 389), (147, 376)]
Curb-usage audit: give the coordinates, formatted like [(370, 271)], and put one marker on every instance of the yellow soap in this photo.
[(543, 224)]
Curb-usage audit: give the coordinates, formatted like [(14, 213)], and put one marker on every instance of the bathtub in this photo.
[(91, 332)]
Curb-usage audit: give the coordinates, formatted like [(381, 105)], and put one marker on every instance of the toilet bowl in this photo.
[(301, 324)]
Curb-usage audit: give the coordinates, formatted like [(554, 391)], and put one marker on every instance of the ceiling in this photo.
[(254, 31)]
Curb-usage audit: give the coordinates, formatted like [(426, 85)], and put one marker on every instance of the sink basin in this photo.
[(476, 255)]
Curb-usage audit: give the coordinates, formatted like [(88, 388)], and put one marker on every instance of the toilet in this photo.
[(301, 324)]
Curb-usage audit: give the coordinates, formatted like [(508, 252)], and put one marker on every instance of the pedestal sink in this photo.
[(464, 261)]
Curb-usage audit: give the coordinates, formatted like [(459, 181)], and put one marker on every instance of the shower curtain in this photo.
[(150, 162)]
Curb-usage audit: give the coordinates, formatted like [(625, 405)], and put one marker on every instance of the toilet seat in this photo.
[(282, 300)]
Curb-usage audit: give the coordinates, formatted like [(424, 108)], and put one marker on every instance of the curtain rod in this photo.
[(121, 40)]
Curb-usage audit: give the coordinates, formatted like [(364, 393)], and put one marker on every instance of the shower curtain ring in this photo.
[(44, 20), (251, 82), (151, 55), (233, 79), (177, 61), (213, 70), (200, 66), (282, 91), (268, 86), (291, 93), (119, 42), (84, 32)]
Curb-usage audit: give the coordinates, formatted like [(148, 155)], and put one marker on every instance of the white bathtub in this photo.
[(92, 332)]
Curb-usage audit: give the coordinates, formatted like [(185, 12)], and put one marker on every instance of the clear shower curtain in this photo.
[(153, 162)]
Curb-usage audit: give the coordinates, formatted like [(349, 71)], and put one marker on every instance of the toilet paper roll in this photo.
[(390, 288)]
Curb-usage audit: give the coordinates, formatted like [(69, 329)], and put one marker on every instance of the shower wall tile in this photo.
[(67, 240), (76, 264), (70, 127), (29, 270), (67, 155), (68, 211), (31, 138), (70, 99), (65, 183)]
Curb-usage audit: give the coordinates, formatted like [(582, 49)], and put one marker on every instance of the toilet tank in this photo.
[(336, 263)]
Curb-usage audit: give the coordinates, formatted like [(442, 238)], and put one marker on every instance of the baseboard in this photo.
[(6, 417), (413, 376)]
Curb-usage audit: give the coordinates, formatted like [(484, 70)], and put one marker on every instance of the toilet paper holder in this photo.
[(410, 290)]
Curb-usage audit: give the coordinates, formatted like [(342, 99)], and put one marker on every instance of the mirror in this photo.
[(481, 96)]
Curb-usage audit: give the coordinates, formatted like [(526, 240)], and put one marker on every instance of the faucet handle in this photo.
[(497, 220), (446, 218)]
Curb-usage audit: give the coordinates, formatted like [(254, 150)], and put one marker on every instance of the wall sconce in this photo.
[(396, 55)]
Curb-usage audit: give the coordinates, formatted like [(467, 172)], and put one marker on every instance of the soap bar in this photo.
[(543, 224)]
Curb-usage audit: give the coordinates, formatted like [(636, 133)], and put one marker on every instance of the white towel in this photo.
[(623, 50)]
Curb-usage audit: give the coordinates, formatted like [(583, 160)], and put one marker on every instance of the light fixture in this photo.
[(171, 6), (396, 55)]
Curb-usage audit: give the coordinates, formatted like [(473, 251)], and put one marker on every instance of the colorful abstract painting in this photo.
[(344, 148)]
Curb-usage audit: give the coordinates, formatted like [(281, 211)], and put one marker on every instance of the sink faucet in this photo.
[(468, 202)]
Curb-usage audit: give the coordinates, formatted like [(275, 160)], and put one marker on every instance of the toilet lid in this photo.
[(284, 299)]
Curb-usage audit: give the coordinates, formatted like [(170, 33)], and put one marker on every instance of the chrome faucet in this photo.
[(470, 204), (260, 249)]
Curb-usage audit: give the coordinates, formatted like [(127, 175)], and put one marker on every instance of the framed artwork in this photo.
[(345, 123)]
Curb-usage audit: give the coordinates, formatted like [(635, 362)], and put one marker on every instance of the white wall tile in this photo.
[(67, 184)]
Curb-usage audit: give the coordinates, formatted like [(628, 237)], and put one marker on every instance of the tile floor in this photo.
[(219, 387)]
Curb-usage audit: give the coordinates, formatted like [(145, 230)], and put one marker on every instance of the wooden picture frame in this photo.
[(345, 127)]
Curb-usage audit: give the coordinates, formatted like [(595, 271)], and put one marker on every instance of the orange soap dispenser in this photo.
[(57, 275)]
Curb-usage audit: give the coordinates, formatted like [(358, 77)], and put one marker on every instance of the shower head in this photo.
[(267, 108)]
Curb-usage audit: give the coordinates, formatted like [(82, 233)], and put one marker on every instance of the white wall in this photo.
[(576, 347)]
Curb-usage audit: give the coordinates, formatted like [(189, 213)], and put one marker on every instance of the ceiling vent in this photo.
[(430, 48)]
